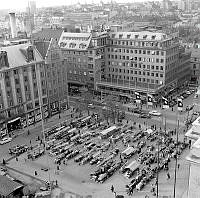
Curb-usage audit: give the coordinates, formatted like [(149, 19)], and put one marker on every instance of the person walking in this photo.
[(35, 173), (178, 166), (4, 162), (17, 159)]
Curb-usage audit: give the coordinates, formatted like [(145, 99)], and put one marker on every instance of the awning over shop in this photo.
[(13, 120)]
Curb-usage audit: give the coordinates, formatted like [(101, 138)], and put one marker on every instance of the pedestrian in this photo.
[(127, 122), (168, 175), (35, 173), (139, 126), (56, 183), (4, 162), (172, 109), (28, 132), (178, 166), (17, 159), (30, 141), (58, 168)]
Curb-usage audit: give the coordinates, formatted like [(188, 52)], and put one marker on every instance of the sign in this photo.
[(38, 117)]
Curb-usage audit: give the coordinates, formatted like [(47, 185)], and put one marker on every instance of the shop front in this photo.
[(38, 115), (54, 108), (30, 118), (45, 112), (14, 124)]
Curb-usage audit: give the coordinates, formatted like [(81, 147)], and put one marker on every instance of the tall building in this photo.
[(195, 63), (56, 75), (32, 7), (84, 57), (143, 61), (22, 81)]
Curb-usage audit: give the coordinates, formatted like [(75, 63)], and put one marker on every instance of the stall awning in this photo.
[(14, 120)]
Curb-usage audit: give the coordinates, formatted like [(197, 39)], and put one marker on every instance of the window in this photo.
[(44, 100), (162, 60), (152, 66), (161, 67), (156, 74), (161, 75), (15, 71), (18, 90), (162, 53), (194, 66), (157, 67), (17, 81), (152, 74)]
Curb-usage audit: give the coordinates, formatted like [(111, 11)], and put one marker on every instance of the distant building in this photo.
[(22, 81), (56, 75), (32, 7), (195, 63), (47, 34)]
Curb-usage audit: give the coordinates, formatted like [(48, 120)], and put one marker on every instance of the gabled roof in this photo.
[(42, 47), (17, 56), (8, 186), (47, 34)]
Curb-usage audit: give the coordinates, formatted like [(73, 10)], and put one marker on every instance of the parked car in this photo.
[(145, 115), (155, 113), (5, 140)]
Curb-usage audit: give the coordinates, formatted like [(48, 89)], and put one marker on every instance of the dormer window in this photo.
[(145, 36), (136, 36), (128, 36), (120, 36), (153, 37)]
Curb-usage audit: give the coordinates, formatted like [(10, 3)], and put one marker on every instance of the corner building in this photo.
[(22, 79), (143, 61)]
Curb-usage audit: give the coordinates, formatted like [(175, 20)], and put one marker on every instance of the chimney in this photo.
[(13, 24)]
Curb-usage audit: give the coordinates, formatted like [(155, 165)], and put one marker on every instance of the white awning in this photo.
[(14, 120)]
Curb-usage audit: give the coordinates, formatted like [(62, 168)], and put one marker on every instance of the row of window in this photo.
[(137, 65), (145, 80), (135, 72), (153, 60), (76, 72), (136, 51)]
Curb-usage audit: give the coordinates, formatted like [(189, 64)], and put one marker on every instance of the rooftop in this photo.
[(17, 58), (143, 35), (8, 186), (76, 41)]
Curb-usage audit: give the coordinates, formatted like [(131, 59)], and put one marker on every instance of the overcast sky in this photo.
[(21, 4)]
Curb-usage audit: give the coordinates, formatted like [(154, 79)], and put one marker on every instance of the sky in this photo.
[(22, 4)]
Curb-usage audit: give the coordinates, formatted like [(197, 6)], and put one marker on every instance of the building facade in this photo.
[(56, 75), (142, 61), (22, 81), (84, 56)]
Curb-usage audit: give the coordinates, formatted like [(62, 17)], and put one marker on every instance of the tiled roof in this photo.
[(143, 35), (16, 57), (76, 41), (47, 34), (8, 186), (42, 47)]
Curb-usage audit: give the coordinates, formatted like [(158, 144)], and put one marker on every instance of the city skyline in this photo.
[(22, 4)]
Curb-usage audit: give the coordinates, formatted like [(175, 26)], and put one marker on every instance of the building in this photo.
[(32, 7), (195, 63), (84, 57), (22, 81), (9, 188), (56, 75), (143, 61)]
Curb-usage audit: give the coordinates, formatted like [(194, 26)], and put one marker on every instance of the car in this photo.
[(145, 115), (137, 110), (5, 140), (188, 92), (155, 113), (91, 106)]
